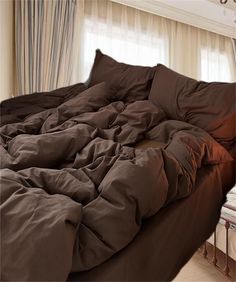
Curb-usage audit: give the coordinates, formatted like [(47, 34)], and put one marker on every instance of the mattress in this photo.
[(155, 254), (229, 209)]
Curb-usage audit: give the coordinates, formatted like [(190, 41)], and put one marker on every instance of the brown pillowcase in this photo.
[(211, 106), (127, 82)]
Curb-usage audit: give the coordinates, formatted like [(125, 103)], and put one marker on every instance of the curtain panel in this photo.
[(56, 42), (234, 49), (138, 37), (45, 36)]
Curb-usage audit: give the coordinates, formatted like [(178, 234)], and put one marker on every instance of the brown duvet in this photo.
[(74, 191), (168, 240)]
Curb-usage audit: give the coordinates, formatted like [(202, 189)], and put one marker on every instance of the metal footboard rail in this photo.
[(228, 223)]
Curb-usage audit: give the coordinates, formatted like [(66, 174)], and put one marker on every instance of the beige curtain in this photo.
[(234, 49), (138, 37), (56, 42), (44, 34)]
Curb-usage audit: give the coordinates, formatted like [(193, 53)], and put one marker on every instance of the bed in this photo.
[(119, 178)]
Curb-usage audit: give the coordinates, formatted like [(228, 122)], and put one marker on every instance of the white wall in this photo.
[(7, 86)]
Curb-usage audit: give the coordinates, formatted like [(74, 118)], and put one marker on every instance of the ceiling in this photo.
[(205, 14), (230, 4)]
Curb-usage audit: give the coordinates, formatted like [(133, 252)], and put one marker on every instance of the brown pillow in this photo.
[(211, 106), (128, 83)]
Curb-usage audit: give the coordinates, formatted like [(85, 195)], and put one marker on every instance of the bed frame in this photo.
[(222, 261)]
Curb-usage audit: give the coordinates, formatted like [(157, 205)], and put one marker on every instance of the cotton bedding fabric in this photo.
[(168, 240), (209, 105), (74, 190)]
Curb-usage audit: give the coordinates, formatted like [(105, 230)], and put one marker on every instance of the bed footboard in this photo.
[(219, 259)]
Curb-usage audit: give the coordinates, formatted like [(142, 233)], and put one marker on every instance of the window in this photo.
[(133, 48), (140, 38)]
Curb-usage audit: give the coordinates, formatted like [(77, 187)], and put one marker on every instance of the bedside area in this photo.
[(220, 248), (216, 259)]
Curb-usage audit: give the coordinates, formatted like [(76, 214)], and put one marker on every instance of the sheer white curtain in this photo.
[(138, 37), (217, 58), (127, 34)]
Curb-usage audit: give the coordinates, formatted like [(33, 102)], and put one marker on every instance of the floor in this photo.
[(199, 270)]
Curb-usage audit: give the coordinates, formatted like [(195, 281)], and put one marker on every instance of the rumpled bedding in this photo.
[(74, 190)]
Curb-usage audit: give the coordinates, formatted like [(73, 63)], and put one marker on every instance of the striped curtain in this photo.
[(44, 35)]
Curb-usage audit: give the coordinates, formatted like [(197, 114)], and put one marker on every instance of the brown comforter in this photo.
[(74, 191)]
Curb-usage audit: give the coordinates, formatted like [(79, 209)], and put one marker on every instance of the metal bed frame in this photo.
[(229, 223)]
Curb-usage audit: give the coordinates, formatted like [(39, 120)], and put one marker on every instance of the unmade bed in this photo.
[(82, 191)]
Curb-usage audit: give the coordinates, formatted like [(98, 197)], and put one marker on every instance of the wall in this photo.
[(7, 86)]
